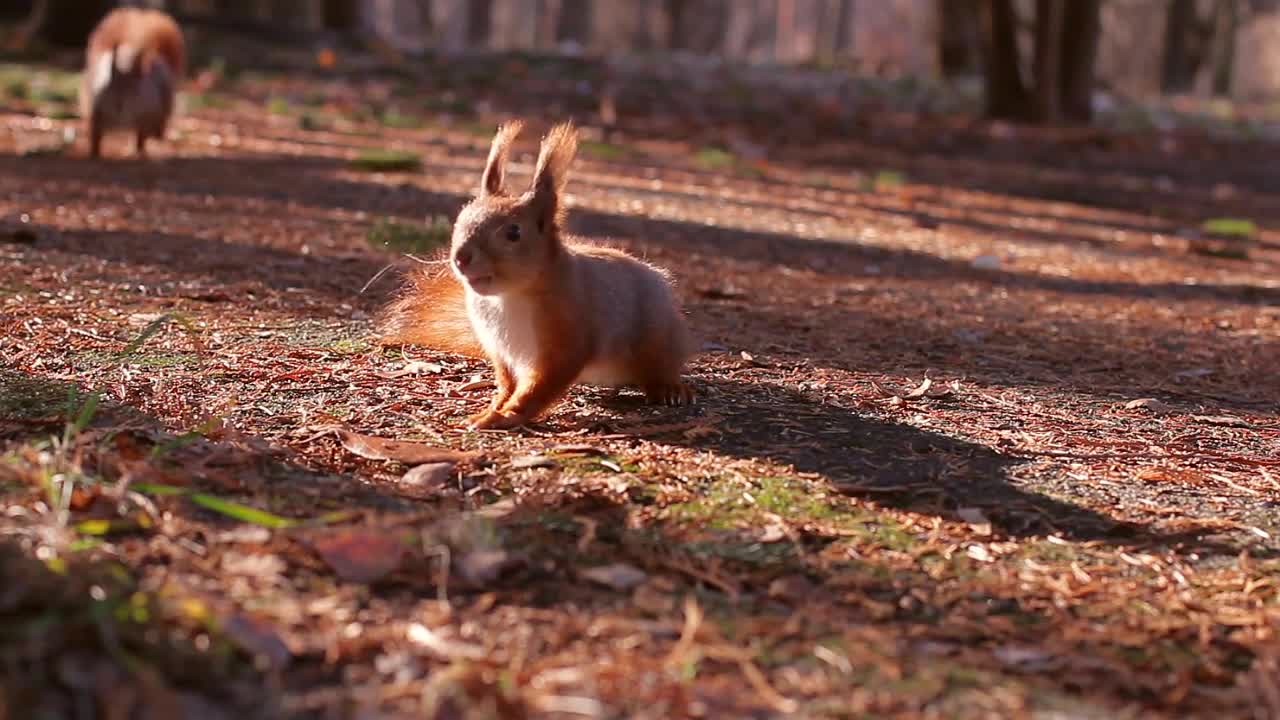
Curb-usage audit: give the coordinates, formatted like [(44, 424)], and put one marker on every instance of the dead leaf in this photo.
[(1194, 373), (1149, 404), (772, 532), (977, 520), (496, 509), (532, 461), (476, 383), (619, 576), (1028, 659), (790, 587), (360, 555), (430, 476), (481, 567), (255, 637), (653, 600), (577, 450), (1224, 421), (979, 553), (919, 390), (415, 367), (429, 639), (985, 262), (409, 452)]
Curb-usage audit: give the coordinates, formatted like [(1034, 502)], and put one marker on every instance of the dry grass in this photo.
[(203, 520)]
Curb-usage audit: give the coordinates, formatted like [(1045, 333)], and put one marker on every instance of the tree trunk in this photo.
[(68, 22), (764, 32), (573, 23), (1228, 23), (784, 40), (1181, 54), (1007, 95), (479, 22), (844, 27), (340, 15), (1047, 63), (678, 26), (1082, 29), (957, 28)]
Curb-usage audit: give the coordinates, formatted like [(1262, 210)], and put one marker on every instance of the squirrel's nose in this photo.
[(462, 259)]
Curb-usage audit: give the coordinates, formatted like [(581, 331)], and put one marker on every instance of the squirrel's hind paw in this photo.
[(674, 394), (492, 420)]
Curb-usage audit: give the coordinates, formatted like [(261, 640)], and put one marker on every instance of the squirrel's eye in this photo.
[(513, 232)]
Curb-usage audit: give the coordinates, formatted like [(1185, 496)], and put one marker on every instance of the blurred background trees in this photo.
[(1039, 60)]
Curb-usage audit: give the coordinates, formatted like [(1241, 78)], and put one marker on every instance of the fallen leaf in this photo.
[(919, 391), (977, 520), (527, 462), (1025, 658), (1194, 373), (360, 555), (429, 639), (255, 637), (577, 450), (979, 553), (790, 587), (415, 367), (1223, 421), (772, 532), (481, 567), (721, 293), (409, 452), (476, 383), (428, 476), (652, 600), (618, 576), (1150, 404)]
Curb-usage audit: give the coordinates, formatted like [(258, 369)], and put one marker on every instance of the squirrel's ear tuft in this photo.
[(554, 158), (491, 182)]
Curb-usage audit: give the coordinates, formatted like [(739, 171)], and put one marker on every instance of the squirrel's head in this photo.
[(504, 243)]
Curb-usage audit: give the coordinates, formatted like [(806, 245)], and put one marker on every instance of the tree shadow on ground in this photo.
[(901, 466), (873, 313), (957, 624)]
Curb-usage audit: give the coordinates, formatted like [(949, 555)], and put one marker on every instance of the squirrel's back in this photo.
[(150, 33), (633, 303)]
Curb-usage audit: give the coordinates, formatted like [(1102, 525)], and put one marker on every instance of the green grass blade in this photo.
[(243, 513), (150, 330), (158, 489)]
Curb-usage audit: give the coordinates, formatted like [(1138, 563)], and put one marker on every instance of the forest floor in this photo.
[(988, 424)]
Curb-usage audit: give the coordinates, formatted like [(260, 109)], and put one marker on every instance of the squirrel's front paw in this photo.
[(675, 394), (492, 420)]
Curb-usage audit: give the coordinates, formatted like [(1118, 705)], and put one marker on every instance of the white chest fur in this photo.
[(506, 329)]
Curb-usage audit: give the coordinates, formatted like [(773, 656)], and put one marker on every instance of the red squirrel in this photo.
[(548, 310), (133, 64)]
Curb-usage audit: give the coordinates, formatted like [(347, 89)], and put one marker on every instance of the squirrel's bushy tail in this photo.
[(431, 311)]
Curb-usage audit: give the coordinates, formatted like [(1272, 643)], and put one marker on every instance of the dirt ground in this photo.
[(988, 426)]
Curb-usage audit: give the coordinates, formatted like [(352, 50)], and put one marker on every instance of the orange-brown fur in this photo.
[(432, 312), (547, 310), (152, 37)]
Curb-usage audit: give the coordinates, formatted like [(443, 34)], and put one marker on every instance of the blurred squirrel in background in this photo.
[(133, 64), (547, 309)]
